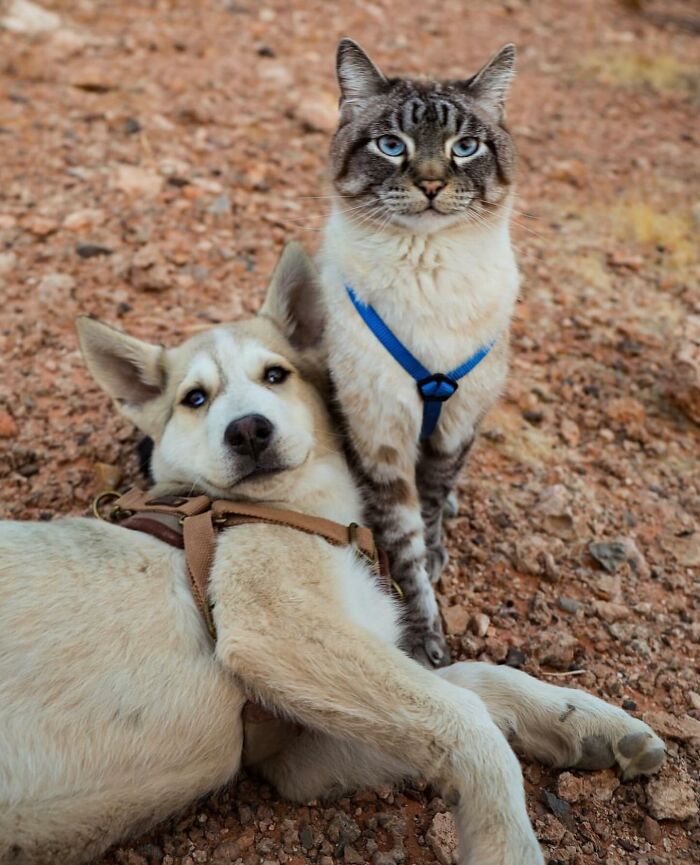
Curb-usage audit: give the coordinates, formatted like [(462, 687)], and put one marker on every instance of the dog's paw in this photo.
[(428, 646), (436, 560), (620, 738), (638, 752)]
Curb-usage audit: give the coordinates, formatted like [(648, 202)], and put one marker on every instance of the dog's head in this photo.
[(236, 406)]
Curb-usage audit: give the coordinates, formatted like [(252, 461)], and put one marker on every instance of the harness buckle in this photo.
[(437, 387), (101, 499)]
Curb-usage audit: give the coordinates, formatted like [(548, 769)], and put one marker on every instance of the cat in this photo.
[(417, 246)]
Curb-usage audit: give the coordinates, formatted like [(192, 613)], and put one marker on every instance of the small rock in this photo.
[(92, 250), (625, 410), (685, 728), (306, 838), (557, 806), (609, 612), (442, 838), (610, 555), (623, 258), (107, 477), (685, 389), (572, 171), (515, 657), (137, 181), (479, 624), (352, 856), (570, 432), (81, 219), (671, 796), (569, 605), (30, 19), (555, 648), (683, 546), (549, 829), (455, 619), (40, 226), (8, 427), (55, 288), (557, 517), (694, 699), (7, 262), (651, 830), (220, 206), (570, 787), (317, 112)]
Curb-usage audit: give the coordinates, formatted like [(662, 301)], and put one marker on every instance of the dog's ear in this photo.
[(293, 299), (131, 371)]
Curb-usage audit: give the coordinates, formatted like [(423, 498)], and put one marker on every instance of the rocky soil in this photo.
[(156, 156)]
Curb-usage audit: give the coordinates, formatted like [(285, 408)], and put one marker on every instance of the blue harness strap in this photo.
[(434, 388)]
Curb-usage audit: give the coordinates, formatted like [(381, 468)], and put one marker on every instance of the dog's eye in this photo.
[(276, 374), (465, 147), (391, 145), (194, 398)]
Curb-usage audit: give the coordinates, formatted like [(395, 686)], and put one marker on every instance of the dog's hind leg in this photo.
[(334, 677), (560, 726)]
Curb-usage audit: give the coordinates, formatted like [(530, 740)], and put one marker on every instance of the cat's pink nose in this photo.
[(431, 187)]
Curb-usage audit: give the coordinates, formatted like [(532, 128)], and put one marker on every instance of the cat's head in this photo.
[(422, 154)]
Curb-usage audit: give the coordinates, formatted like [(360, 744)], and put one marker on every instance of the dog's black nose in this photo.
[(249, 435)]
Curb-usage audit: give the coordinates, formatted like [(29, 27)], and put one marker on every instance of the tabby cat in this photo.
[(418, 237)]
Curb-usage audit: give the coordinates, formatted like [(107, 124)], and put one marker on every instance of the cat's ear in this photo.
[(491, 83), (358, 77), (293, 299), (131, 371)]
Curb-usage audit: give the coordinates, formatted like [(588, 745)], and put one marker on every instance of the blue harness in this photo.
[(434, 388)]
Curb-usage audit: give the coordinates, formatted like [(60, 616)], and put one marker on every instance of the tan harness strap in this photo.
[(200, 541), (334, 533)]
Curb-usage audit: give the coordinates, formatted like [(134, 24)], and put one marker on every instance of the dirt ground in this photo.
[(156, 156)]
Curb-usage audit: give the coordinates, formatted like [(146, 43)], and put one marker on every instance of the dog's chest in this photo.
[(362, 597)]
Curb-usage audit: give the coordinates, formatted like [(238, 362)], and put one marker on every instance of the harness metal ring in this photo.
[(102, 498)]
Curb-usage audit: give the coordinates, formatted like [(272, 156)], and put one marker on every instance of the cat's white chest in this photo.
[(443, 298)]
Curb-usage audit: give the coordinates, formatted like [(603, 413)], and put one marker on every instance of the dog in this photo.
[(117, 708)]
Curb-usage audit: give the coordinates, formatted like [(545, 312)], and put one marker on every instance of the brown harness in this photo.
[(192, 522)]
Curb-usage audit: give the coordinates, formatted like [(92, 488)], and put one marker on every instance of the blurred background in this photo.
[(155, 156)]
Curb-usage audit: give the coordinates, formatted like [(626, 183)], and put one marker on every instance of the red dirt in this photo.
[(180, 144)]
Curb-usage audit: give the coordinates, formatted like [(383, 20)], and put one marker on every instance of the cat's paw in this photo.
[(428, 646), (451, 507), (436, 561)]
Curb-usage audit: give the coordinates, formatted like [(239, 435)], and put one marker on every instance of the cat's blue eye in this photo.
[(194, 398), (464, 147), (391, 145)]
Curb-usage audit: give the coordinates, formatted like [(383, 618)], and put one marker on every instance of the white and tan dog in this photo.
[(116, 708)]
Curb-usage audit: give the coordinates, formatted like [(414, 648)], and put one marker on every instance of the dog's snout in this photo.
[(249, 435)]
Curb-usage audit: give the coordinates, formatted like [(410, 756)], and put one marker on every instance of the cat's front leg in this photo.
[(393, 510), (436, 474)]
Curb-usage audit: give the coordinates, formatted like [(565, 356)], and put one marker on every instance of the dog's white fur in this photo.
[(115, 707)]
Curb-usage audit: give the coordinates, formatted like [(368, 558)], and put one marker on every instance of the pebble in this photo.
[(611, 555), (555, 648), (651, 830), (479, 624), (442, 838), (8, 426), (92, 250), (317, 112), (671, 796), (610, 612), (685, 728), (515, 657), (88, 217), (456, 619), (136, 181), (569, 605), (625, 410), (23, 16), (7, 262)]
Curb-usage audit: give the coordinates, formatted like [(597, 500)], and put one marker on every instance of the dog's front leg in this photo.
[(334, 677)]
